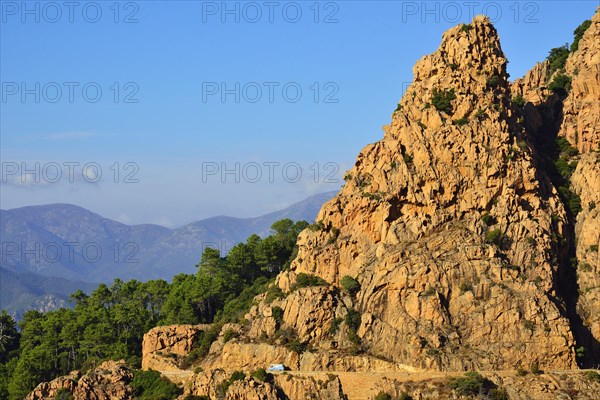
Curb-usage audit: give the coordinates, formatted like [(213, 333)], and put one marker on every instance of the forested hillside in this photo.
[(110, 323)]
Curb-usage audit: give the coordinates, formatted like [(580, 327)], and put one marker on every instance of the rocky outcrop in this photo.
[(527, 387), (581, 108), (446, 226), (328, 386), (110, 381), (581, 126), (576, 117), (163, 346), (586, 183), (533, 87), (249, 389), (453, 233)]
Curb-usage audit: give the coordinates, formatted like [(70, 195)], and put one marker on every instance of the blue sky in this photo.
[(160, 132)]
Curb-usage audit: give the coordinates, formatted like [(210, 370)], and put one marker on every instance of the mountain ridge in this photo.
[(161, 252)]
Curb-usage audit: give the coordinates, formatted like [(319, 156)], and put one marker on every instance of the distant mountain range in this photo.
[(26, 291), (49, 251)]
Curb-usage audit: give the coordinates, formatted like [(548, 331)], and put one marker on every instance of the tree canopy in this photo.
[(110, 322)]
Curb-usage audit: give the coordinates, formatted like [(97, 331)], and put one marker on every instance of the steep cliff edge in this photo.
[(575, 116), (447, 226)]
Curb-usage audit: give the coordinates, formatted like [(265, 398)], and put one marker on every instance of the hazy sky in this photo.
[(168, 112)]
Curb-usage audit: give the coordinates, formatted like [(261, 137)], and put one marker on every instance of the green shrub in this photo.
[(442, 100), (564, 168), (571, 199), (404, 396), (488, 219), (306, 280), (63, 394), (382, 396), (465, 287), (535, 368), (318, 226), (471, 384), (296, 346), (566, 150), (480, 114), (494, 81), (592, 205), (335, 233), (335, 325), (498, 394), (466, 27), (460, 122), (578, 34), (235, 308), (223, 386), (202, 346), (352, 319), (274, 292), (557, 58), (277, 314), (261, 375), (521, 372), (494, 237), (585, 267), (592, 376), (594, 248), (150, 385), (518, 101), (350, 284), (560, 84), (529, 325), (228, 335)]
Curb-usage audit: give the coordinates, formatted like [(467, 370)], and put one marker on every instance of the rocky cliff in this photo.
[(576, 117), (447, 226), (107, 382), (581, 126), (453, 231)]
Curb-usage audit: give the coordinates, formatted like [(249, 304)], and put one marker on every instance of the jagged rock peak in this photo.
[(581, 120), (431, 220)]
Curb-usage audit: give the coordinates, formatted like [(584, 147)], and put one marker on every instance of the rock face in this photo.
[(280, 386), (447, 226), (528, 387), (581, 108), (110, 381), (162, 345), (533, 86), (581, 126), (577, 118), (586, 182)]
